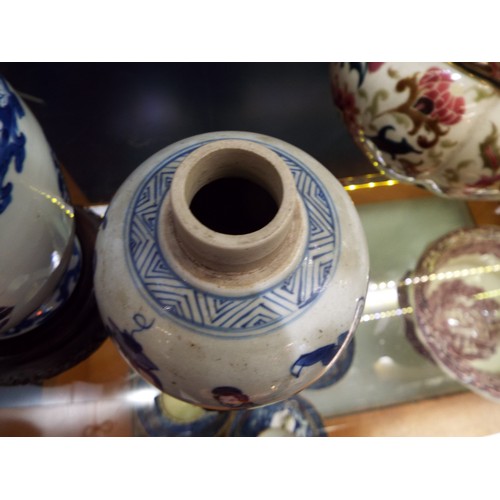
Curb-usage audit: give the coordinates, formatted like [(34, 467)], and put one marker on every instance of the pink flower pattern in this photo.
[(374, 66), (436, 98)]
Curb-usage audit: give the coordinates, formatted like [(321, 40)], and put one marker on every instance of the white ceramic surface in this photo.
[(196, 326), (36, 220), (432, 124)]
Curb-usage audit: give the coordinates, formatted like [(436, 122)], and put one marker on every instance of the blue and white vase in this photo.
[(231, 270), (39, 255)]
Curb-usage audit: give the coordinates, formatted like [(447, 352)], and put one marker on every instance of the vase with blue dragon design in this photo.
[(435, 125), (231, 271), (39, 255)]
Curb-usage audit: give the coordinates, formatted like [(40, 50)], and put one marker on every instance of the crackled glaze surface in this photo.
[(431, 124), (218, 337)]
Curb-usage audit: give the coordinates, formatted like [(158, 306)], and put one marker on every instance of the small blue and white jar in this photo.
[(295, 417), (231, 270), (39, 256)]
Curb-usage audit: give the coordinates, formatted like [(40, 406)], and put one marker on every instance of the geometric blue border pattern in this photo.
[(233, 317)]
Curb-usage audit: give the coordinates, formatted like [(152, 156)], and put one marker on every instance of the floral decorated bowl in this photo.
[(456, 305), (435, 125), (36, 221)]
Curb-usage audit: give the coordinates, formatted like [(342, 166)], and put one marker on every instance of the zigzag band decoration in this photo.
[(237, 317)]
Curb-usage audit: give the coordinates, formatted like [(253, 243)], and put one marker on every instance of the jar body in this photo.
[(36, 219), (225, 344), (430, 124)]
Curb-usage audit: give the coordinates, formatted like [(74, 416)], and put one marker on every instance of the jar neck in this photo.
[(271, 246)]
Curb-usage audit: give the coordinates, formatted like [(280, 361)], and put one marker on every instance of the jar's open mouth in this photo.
[(234, 207), (237, 184), (256, 168)]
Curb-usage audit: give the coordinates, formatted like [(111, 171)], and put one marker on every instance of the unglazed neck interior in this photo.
[(228, 172)]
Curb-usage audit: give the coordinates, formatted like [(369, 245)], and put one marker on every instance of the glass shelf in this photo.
[(386, 368)]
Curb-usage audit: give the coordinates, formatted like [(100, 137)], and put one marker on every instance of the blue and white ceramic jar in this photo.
[(295, 417), (231, 270), (39, 256)]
